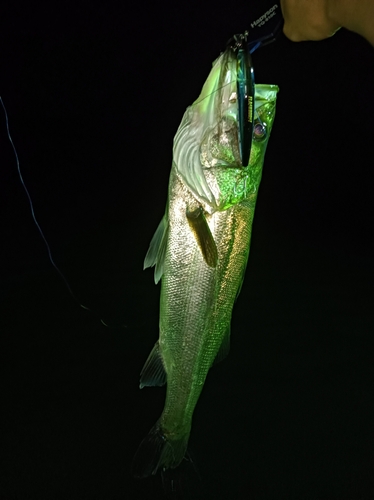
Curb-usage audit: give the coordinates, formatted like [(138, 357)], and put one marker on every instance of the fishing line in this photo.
[(38, 225), (213, 92)]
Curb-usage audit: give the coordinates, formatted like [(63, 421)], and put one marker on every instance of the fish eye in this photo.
[(259, 130)]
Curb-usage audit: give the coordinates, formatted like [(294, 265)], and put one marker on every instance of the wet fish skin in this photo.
[(201, 250)]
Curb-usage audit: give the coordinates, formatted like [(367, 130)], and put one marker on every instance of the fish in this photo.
[(200, 252)]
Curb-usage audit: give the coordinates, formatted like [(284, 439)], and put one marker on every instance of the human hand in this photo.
[(319, 19), (307, 20)]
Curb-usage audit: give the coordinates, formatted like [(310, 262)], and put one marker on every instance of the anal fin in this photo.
[(224, 348)]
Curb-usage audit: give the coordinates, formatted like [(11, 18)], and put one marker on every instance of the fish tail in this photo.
[(158, 451)]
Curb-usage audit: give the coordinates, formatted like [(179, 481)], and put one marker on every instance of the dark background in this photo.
[(95, 93)]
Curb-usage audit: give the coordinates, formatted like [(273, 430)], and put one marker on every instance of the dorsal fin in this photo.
[(156, 252), (153, 372)]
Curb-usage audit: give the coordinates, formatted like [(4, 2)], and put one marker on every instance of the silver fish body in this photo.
[(200, 250)]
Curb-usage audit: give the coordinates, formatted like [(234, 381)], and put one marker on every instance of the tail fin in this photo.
[(184, 482), (158, 451)]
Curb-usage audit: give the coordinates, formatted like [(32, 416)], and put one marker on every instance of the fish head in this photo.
[(206, 150), (230, 181)]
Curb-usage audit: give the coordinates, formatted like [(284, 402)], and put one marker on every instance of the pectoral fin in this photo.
[(203, 235)]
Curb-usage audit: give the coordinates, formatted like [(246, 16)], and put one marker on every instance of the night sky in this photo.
[(95, 93)]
